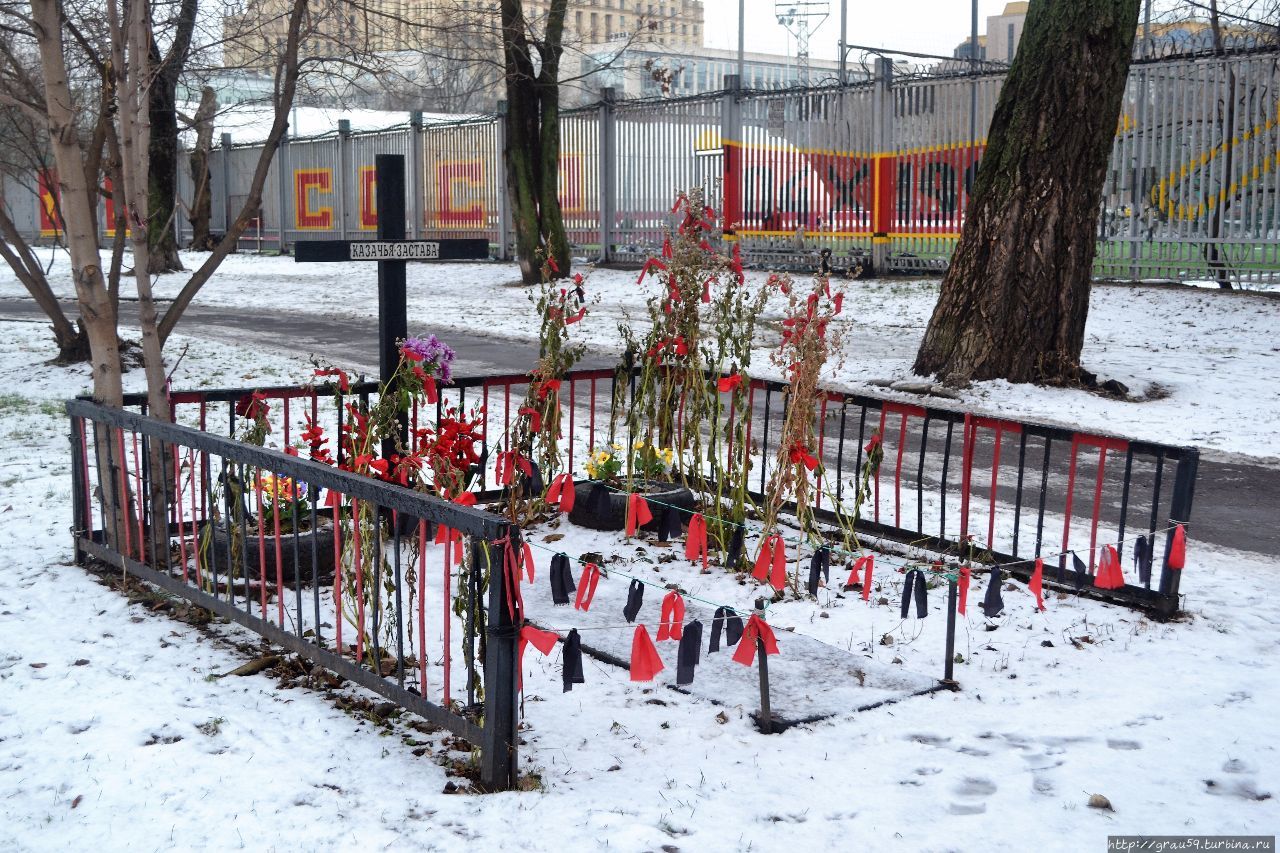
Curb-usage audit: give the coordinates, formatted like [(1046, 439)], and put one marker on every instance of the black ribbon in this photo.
[(533, 485), (819, 565), (1142, 557), (669, 528), (689, 653), (914, 584), (561, 579), (635, 598), (571, 672), (737, 544), (731, 623), (1082, 571), (993, 603)]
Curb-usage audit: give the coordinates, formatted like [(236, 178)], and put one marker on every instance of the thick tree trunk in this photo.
[(77, 201), (1015, 299), (532, 153), (161, 93), (162, 243), (202, 200)]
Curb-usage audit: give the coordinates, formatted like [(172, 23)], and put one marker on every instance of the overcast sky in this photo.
[(925, 26)]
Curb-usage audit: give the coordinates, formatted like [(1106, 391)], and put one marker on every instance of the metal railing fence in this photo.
[(273, 542), (879, 171), (950, 481)]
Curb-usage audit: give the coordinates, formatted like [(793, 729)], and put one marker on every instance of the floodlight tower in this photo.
[(801, 18)]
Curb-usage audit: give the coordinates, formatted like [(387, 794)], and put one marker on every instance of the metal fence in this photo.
[(273, 543), (879, 171), (952, 482)]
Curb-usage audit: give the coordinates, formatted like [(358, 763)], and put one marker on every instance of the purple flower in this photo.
[(434, 352)]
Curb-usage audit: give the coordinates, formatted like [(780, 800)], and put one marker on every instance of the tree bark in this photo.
[(1015, 298), (532, 153), (202, 201), (286, 87), (77, 206), (163, 144), (72, 340)]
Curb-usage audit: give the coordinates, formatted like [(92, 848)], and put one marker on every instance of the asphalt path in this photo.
[(1237, 505)]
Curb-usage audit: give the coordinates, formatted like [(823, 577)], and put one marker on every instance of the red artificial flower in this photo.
[(577, 279), (873, 443), (253, 406), (801, 454)]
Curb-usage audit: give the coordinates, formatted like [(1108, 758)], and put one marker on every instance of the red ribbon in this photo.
[(637, 513), (535, 418), (1110, 575), (511, 578), (1036, 584), (446, 535), (645, 660), (965, 574), (729, 383), (528, 562), (508, 462), (756, 628), (543, 641), (839, 301), (706, 290), (672, 625), (1178, 548), (587, 587), (561, 492), (695, 541), (771, 562)]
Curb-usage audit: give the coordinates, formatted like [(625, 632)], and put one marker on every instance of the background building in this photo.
[(454, 28), (644, 70)]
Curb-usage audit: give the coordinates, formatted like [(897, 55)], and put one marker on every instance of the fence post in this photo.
[(607, 165), (500, 766), (225, 168), (282, 191), (80, 511), (949, 668), (731, 159), (417, 184), (504, 204), (885, 177), (1184, 489), (341, 180)]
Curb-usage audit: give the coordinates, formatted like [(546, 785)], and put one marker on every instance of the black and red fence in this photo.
[(999, 490), (183, 509)]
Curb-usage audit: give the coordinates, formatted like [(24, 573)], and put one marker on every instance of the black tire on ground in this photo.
[(614, 515)]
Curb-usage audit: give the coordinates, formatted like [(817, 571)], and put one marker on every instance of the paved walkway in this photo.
[(1236, 504)]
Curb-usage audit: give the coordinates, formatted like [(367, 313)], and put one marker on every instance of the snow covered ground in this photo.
[(112, 735), (1210, 358)]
